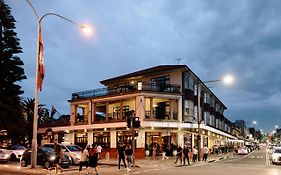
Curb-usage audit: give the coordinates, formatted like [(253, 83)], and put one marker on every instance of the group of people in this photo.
[(125, 152), (183, 153), (89, 157)]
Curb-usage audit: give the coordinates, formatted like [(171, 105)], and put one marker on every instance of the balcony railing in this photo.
[(167, 88)]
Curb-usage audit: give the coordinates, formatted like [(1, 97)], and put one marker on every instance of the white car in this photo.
[(4, 155), (276, 155), (243, 150), (16, 151), (73, 151)]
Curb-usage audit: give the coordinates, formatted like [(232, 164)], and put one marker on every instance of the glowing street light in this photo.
[(40, 74), (227, 79), (276, 126)]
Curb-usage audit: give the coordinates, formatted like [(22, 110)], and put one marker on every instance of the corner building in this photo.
[(165, 98)]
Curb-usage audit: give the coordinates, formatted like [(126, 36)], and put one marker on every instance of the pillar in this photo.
[(90, 113), (180, 109), (90, 137), (106, 111), (151, 107), (192, 139), (141, 139), (172, 103), (180, 138), (73, 112), (139, 109), (93, 112), (113, 138), (121, 110)]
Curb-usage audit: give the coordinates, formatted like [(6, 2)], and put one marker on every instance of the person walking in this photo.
[(84, 159), (206, 152), (121, 155), (179, 154), (58, 153), (129, 157), (185, 154), (93, 159), (99, 148), (195, 153)]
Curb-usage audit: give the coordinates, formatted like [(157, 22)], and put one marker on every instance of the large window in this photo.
[(103, 139)]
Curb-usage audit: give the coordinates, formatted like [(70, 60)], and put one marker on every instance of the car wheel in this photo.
[(13, 157), (23, 163), (47, 165), (72, 161)]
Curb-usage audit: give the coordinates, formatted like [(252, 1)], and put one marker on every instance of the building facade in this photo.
[(175, 108)]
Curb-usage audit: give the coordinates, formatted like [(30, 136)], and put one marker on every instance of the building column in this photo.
[(106, 111), (201, 140), (180, 138), (93, 112), (172, 104), (121, 110), (141, 139), (90, 137), (73, 112), (151, 107), (139, 109), (90, 113), (180, 109), (192, 140), (113, 138)]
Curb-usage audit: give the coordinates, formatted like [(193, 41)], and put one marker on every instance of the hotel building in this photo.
[(166, 99)]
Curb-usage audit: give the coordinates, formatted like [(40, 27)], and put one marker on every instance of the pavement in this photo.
[(139, 163)]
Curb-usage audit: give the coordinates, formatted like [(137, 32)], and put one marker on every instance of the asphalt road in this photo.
[(256, 163)]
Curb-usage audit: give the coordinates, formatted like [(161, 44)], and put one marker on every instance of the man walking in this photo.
[(129, 157), (121, 155), (99, 148), (179, 154), (206, 152), (195, 153), (185, 154), (58, 152)]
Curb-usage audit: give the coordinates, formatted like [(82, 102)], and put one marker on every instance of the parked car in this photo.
[(73, 151), (243, 150), (4, 155), (15, 151), (45, 157), (276, 155)]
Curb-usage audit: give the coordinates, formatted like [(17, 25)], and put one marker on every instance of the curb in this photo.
[(114, 164)]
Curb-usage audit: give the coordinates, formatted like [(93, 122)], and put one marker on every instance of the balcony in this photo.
[(167, 88)]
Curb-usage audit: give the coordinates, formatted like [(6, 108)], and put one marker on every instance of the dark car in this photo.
[(45, 157)]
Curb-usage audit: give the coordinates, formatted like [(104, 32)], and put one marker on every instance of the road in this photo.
[(256, 163)]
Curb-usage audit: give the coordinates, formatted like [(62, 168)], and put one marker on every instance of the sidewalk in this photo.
[(148, 162)]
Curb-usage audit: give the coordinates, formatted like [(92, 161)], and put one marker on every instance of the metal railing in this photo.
[(167, 88)]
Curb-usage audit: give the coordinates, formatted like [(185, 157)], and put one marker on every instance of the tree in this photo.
[(28, 111), (11, 66)]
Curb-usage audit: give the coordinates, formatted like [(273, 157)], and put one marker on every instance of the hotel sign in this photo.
[(169, 125)]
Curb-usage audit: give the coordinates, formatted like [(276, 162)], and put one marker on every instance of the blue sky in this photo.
[(214, 37)]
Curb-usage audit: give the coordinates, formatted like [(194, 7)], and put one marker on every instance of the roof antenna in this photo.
[(179, 60)]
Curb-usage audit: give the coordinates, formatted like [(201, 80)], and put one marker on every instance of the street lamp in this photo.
[(38, 80), (228, 79)]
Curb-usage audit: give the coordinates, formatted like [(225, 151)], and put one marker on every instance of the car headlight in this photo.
[(77, 156), (7, 155), (52, 158)]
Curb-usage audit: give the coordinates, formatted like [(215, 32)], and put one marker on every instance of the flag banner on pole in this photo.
[(53, 111), (41, 69)]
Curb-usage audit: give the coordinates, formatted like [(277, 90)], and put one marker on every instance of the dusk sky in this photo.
[(215, 38)]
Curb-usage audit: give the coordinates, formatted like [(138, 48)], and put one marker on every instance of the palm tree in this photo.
[(28, 111)]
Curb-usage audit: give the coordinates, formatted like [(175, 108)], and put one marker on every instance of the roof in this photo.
[(144, 71)]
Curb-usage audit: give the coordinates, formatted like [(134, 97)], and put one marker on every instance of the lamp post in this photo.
[(39, 41), (228, 79)]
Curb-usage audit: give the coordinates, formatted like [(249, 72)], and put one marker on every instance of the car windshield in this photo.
[(17, 148), (277, 151), (73, 147), (47, 150)]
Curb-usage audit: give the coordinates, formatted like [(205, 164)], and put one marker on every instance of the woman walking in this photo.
[(129, 157), (195, 153), (84, 159), (94, 157)]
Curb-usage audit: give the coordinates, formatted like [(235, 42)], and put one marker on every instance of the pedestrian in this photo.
[(93, 159), (185, 154), (195, 153), (179, 154), (121, 155), (129, 157), (84, 159), (154, 151), (58, 153), (99, 148), (206, 152)]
